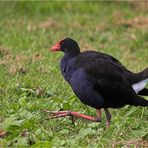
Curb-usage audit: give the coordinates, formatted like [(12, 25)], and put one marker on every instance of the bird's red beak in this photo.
[(56, 47)]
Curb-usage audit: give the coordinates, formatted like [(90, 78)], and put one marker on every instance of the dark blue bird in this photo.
[(99, 80)]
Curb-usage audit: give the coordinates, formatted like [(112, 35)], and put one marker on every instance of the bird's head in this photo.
[(67, 45)]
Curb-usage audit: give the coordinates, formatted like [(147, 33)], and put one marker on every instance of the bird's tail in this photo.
[(142, 81), (138, 101), (144, 74), (143, 92)]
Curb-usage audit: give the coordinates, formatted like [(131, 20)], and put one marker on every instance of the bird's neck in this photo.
[(66, 58), (72, 54)]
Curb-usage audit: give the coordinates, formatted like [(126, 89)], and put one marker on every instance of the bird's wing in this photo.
[(109, 81), (83, 87)]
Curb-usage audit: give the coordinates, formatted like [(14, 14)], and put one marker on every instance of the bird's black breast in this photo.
[(67, 66)]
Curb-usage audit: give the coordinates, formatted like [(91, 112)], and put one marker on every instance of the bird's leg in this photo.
[(57, 114), (99, 114), (108, 117)]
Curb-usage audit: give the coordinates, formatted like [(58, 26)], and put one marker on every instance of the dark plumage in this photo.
[(100, 80)]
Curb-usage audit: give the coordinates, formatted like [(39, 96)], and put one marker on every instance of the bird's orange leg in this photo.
[(108, 117), (57, 114)]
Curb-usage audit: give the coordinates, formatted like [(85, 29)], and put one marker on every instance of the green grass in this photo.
[(30, 78)]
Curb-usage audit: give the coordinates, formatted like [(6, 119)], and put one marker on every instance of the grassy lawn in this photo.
[(30, 78)]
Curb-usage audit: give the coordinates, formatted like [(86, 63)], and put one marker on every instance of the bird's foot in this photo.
[(72, 114)]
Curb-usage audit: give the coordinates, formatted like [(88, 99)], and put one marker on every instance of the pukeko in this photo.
[(99, 80)]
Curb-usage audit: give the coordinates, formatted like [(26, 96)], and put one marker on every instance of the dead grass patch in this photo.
[(17, 64), (140, 22), (13, 69), (4, 51), (43, 69), (139, 5), (39, 92), (37, 57), (5, 55), (76, 25), (6, 60), (50, 23), (101, 26), (135, 143), (20, 58)]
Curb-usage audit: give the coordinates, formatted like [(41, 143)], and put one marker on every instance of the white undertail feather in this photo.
[(140, 85)]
